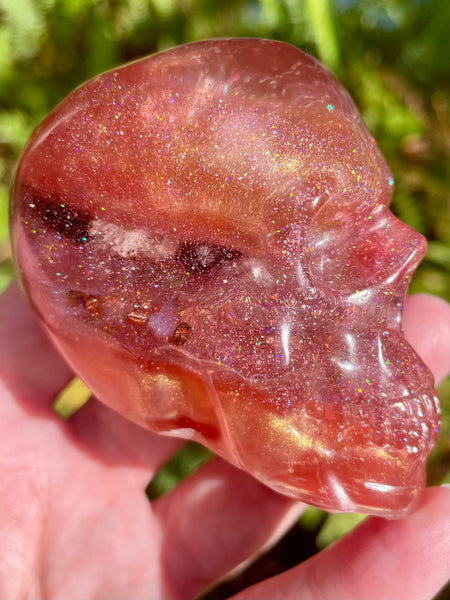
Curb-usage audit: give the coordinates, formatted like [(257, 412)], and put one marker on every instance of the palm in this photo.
[(76, 490), (75, 522)]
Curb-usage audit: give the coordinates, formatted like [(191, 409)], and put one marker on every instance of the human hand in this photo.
[(75, 521)]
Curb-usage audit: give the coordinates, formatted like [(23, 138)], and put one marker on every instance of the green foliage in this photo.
[(189, 458), (71, 398), (337, 525)]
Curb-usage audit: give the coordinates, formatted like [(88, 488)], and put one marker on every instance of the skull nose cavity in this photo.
[(407, 248), (371, 249)]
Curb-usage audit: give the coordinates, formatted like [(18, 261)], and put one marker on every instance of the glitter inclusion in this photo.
[(205, 234)]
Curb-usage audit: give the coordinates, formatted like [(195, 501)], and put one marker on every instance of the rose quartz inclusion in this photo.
[(205, 234)]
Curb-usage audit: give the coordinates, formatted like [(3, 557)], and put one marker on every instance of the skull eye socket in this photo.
[(58, 216), (200, 257)]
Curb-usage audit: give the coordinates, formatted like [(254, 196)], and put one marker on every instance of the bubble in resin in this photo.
[(205, 234)]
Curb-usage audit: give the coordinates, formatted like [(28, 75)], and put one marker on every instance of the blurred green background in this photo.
[(392, 55)]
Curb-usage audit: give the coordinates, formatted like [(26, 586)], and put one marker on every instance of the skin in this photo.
[(75, 522)]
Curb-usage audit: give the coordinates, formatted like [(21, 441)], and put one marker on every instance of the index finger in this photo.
[(426, 324)]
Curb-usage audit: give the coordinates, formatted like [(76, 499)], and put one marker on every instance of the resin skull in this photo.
[(206, 236)]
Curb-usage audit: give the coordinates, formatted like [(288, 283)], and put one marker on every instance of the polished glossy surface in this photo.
[(206, 236)]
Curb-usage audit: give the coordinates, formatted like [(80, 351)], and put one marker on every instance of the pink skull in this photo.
[(206, 236)]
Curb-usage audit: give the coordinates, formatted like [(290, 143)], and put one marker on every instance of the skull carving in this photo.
[(206, 236)]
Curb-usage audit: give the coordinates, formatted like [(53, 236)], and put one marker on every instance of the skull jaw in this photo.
[(291, 456), (365, 478), (339, 490)]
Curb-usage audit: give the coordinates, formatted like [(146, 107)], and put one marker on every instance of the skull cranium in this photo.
[(207, 238)]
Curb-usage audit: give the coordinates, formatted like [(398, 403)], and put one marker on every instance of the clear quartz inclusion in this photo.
[(205, 234)]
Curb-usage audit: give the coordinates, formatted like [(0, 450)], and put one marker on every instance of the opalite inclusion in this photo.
[(205, 234)]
